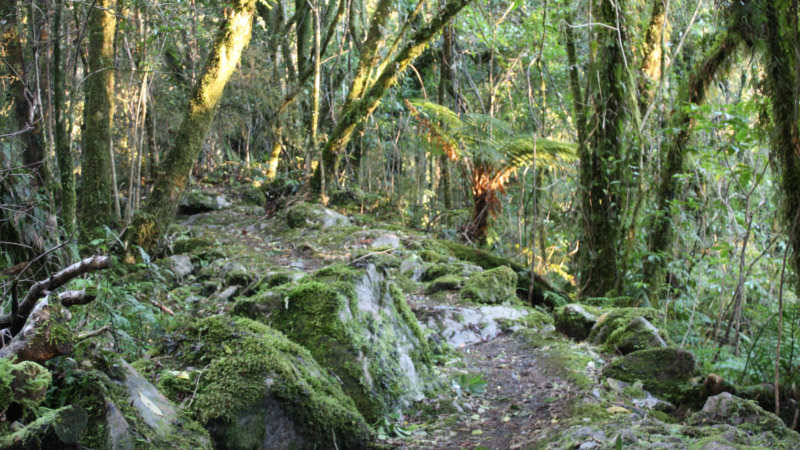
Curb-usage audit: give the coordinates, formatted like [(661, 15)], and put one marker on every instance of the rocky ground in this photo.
[(307, 328)]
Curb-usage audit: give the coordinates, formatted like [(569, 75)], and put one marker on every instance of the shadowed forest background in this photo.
[(620, 154)]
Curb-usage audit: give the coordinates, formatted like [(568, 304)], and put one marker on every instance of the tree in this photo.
[(232, 38), (96, 186), (368, 87)]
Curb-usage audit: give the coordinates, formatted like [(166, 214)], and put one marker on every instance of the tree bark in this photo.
[(783, 76), (96, 205), (600, 164), (230, 42), (63, 153)]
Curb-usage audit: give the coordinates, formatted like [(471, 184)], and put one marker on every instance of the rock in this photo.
[(640, 334), (461, 326), (620, 330), (180, 265), (198, 201), (314, 216), (444, 283), (439, 270), (663, 371), (390, 240), (575, 320), (732, 410), (154, 409), (226, 294), (261, 390), (25, 382), (359, 326), (53, 429), (189, 245), (493, 286), (119, 432), (412, 267)]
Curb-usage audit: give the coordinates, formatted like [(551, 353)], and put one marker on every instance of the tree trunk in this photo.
[(26, 100), (652, 56), (230, 42), (359, 107), (673, 155), (96, 205), (783, 76), (600, 164), (63, 152)]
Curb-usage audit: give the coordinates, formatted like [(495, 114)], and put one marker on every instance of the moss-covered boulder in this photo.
[(258, 389), (746, 414), (314, 216), (444, 283), (53, 429), (25, 383), (493, 286), (666, 372), (458, 268), (575, 320), (198, 201), (358, 325), (628, 329)]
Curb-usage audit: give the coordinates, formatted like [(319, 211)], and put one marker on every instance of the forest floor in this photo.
[(525, 395)]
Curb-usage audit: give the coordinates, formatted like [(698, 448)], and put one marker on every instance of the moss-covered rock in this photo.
[(746, 414), (190, 245), (493, 286), (198, 201), (666, 372), (311, 215), (360, 327), (53, 429), (623, 330), (445, 283), (575, 320), (261, 390), (25, 383)]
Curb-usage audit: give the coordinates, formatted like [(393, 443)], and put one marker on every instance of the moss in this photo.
[(444, 283), (493, 286), (410, 319), (190, 245), (576, 320), (52, 429), (537, 318), (619, 318), (25, 382), (666, 372), (247, 361)]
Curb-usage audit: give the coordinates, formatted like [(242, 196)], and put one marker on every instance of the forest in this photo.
[(483, 224)]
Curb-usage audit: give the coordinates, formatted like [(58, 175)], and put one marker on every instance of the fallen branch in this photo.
[(44, 335), (72, 298), (41, 288), (162, 307), (91, 334)]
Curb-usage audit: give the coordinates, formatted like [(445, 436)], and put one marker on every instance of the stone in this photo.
[(118, 430), (154, 409), (639, 334), (462, 326), (197, 201), (575, 320), (729, 409), (493, 286), (180, 265), (663, 371), (56, 429), (314, 216)]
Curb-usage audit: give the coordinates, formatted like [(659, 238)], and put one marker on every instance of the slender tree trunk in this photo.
[(26, 99), (783, 80), (652, 53), (63, 152), (96, 205), (673, 154), (230, 42), (447, 80), (600, 168), (361, 106)]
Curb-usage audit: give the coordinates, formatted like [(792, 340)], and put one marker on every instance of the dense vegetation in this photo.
[(623, 153)]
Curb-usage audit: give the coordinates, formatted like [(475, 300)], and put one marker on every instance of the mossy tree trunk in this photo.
[(230, 42), (673, 154), (26, 104), (601, 157), (96, 205), (652, 53), (365, 94), (447, 89), (783, 81), (63, 154)]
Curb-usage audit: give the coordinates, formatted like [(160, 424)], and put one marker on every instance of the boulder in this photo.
[(198, 201), (461, 326), (57, 429), (180, 265), (747, 415), (359, 326), (575, 320), (493, 286), (261, 390), (627, 329), (309, 215), (665, 372)]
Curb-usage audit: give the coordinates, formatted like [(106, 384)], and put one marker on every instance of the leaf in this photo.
[(150, 405)]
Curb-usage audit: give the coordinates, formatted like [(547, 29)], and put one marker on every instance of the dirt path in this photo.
[(523, 395)]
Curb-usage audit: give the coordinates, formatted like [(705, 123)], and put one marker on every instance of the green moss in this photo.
[(620, 318), (247, 361), (444, 283), (411, 321), (190, 245), (493, 286), (666, 372), (25, 382)]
